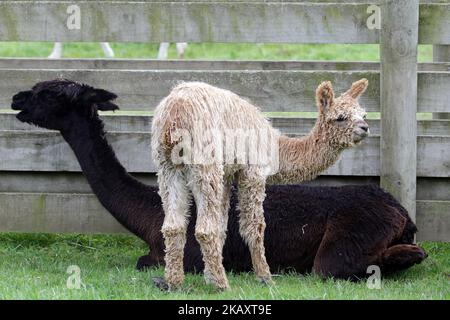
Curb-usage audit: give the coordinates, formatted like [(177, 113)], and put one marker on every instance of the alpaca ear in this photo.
[(101, 98), (107, 106), (358, 88), (324, 96), (100, 95)]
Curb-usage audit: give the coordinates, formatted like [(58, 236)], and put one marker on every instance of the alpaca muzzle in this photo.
[(19, 100), (361, 132), (17, 104)]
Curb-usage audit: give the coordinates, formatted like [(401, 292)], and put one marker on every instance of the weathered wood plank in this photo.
[(21, 151), (188, 21), (259, 1), (287, 125), (112, 121), (431, 84), (152, 64), (433, 153), (433, 128), (82, 213), (433, 189), (54, 182), (272, 90), (398, 51), (47, 151), (441, 53), (301, 126), (143, 90), (297, 22), (49, 212), (434, 23), (433, 220)]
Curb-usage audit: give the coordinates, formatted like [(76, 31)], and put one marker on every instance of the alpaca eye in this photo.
[(341, 118)]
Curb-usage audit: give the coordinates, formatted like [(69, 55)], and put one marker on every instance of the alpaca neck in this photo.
[(302, 159), (127, 199)]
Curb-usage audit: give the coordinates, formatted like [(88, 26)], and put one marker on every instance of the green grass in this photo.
[(215, 51), (33, 266)]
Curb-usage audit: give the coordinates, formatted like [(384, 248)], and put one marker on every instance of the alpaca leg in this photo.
[(107, 50), (352, 242), (251, 193), (148, 261), (226, 195), (342, 259), (208, 190), (163, 50), (175, 198), (57, 51), (402, 256), (181, 46)]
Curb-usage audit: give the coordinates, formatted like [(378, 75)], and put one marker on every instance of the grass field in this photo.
[(215, 51), (34, 267)]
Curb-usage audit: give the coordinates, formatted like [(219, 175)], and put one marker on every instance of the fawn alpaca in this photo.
[(194, 107)]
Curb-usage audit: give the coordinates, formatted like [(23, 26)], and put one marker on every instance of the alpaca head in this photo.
[(341, 120), (56, 104)]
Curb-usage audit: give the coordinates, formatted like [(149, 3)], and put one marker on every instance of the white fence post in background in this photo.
[(398, 50)]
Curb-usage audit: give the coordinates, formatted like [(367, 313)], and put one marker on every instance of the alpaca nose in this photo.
[(19, 99), (364, 127), (16, 106)]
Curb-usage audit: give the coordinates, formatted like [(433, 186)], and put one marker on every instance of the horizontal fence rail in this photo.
[(84, 214), (271, 90), (206, 21), (428, 188), (153, 64), (47, 151), (286, 125)]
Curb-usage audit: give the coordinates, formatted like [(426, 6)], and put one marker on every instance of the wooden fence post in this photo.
[(398, 50), (441, 53)]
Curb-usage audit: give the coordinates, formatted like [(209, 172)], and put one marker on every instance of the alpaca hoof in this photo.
[(220, 284), (142, 263), (219, 287), (161, 284), (223, 289), (266, 280), (146, 262)]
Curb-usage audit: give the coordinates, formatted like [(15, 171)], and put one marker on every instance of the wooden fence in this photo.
[(42, 189)]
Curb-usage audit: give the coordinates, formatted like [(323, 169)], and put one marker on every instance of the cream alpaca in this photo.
[(196, 107)]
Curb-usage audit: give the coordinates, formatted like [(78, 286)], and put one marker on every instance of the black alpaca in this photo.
[(334, 231)]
